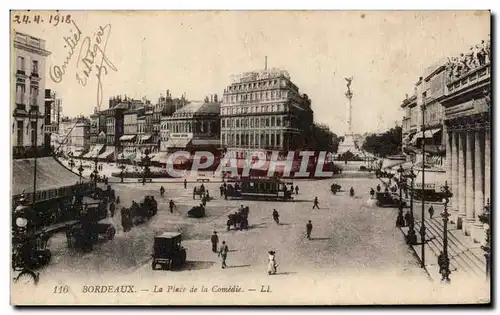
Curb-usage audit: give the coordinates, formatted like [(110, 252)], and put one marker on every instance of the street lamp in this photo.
[(80, 172), (400, 221), (443, 260), (485, 219), (145, 162), (422, 228), (411, 238), (122, 167)]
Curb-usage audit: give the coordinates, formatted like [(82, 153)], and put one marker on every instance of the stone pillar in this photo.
[(461, 178), (487, 164), (449, 153), (469, 183), (454, 176), (478, 232)]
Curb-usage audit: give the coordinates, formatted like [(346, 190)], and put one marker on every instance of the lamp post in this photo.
[(400, 221), (33, 116), (96, 171), (145, 162), (485, 219), (411, 238), (422, 228), (80, 172), (443, 260), (122, 167)]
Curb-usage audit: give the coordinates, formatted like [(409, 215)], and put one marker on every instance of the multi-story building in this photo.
[(264, 110), (28, 107), (428, 91), (164, 133), (81, 136), (195, 127), (114, 130), (96, 141), (130, 135)]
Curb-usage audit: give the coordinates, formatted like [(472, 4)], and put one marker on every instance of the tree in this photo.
[(321, 138), (384, 144)]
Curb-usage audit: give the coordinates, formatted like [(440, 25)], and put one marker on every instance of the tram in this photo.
[(259, 188)]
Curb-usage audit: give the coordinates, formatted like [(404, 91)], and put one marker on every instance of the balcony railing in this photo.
[(474, 76)]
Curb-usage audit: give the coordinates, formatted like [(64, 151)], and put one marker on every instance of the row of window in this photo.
[(237, 110), (263, 140), (20, 132), (22, 67), (257, 96), (255, 122), (253, 85)]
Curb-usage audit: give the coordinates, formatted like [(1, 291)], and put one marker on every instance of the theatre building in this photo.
[(264, 110), (468, 146), (194, 127)]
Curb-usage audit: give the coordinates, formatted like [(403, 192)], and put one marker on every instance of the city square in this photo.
[(259, 185)]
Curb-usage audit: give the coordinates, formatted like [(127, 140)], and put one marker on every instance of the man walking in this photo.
[(223, 254), (215, 241), (309, 228), (378, 188), (316, 203), (185, 183), (112, 209), (171, 205), (431, 212)]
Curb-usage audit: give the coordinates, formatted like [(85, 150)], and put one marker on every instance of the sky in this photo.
[(196, 52)]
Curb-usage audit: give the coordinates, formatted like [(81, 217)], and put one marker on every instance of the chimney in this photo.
[(265, 65)]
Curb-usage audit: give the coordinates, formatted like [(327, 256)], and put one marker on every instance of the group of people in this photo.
[(477, 56)]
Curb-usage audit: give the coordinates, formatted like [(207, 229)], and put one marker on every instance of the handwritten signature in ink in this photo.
[(56, 73), (88, 59)]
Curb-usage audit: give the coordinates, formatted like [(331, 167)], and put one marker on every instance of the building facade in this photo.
[(28, 106), (468, 140), (195, 127), (264, 110)]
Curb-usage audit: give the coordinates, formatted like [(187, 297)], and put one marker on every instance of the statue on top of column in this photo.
[(349, 82)]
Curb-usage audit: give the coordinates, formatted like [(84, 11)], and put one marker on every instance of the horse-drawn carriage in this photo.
[(197, 212), (199, 191), (239, 219), (139, 213), (91, 225), (388, 199), (335, 188)]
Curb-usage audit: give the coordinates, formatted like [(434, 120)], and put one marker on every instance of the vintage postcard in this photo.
[(250, 157)]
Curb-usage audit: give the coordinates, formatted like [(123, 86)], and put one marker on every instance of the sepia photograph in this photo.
[(224, 158)]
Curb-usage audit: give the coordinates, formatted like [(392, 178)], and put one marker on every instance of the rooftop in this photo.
[(199, 108)]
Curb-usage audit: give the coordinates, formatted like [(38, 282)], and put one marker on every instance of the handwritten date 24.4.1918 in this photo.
[(53, 19)]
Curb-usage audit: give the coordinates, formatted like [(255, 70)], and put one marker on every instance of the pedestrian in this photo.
[(204, 200), (223, 254), (185, 183), (272, 267), (372, 193), (194, 192), (208, 196), (117, 200), (378, 188), (316, 203), (221, 189), (215, 241), (309, 228), (297, 189), (431, 212), (112, 209), (407, 218), (171, 205)]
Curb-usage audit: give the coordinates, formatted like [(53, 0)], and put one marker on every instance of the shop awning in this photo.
[(50, 175), (108, 154), (208, 142), (178, 143), (145, 137), (387, 163), (127, 137), (428, 133)]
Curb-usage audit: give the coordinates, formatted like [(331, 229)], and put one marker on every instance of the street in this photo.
[(351, 241)]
